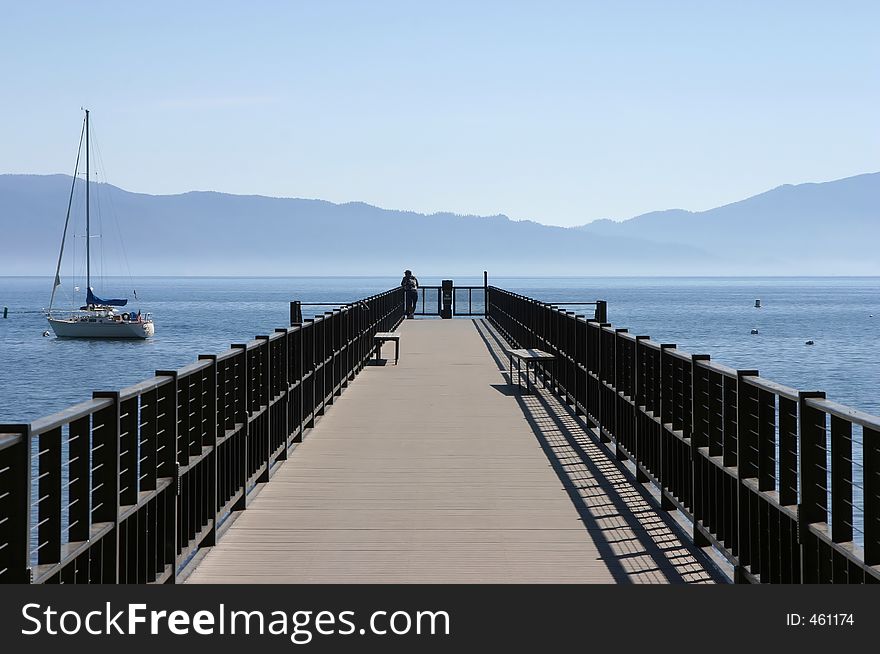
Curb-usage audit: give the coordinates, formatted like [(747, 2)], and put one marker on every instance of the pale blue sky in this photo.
[(560, 112)]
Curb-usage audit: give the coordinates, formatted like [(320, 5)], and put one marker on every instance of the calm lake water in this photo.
[(40, 375)]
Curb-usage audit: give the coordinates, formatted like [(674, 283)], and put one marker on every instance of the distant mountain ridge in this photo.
[(824, 228), (832, 225)]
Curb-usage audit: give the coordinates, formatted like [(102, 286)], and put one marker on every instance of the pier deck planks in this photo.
[(432, 471)]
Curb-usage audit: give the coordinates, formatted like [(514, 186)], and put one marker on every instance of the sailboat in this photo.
[(97, 318)]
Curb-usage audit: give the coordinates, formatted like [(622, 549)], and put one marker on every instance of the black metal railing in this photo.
[(784, 483), (128, 486), (466, 301)]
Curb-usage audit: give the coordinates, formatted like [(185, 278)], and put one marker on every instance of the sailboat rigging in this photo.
[(98, 318)]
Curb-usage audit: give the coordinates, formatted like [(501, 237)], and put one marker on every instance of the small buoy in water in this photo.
[(810, 343), (754, 331), (45, 333), (757, 304)]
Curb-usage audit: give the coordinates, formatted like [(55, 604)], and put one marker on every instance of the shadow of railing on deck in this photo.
[(637, 542)]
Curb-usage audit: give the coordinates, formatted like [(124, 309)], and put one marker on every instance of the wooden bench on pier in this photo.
[(527, 356), (381, 337)]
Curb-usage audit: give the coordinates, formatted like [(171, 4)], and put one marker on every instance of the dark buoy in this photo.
[(810, 343), (758, 304), (754, 331), (5, 312)]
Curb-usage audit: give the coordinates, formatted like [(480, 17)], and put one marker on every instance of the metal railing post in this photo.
[(15, 456), (296, 315), (105, 489), (746, 468), (871, 492), (699, 438), (813, 504), (638, 402), (665, 410), (486, 293)]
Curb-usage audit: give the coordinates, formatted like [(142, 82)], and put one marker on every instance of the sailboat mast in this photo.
[(88, 234)]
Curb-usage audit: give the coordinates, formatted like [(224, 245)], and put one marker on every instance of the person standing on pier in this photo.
[(410, 284)]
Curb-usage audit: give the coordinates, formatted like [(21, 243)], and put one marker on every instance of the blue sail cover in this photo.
[(91, 298)]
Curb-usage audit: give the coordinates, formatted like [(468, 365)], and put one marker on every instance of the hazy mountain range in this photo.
[(829, 228)]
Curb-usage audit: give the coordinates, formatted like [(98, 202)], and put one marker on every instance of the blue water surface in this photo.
[(40, 375)]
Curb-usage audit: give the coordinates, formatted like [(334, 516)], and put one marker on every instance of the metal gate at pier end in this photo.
[(442, 301), (450, 301)]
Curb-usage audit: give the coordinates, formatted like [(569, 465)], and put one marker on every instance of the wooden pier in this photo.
[(439, 470), (294, 457)]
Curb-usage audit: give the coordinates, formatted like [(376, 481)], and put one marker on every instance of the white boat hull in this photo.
[(101, 328)]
